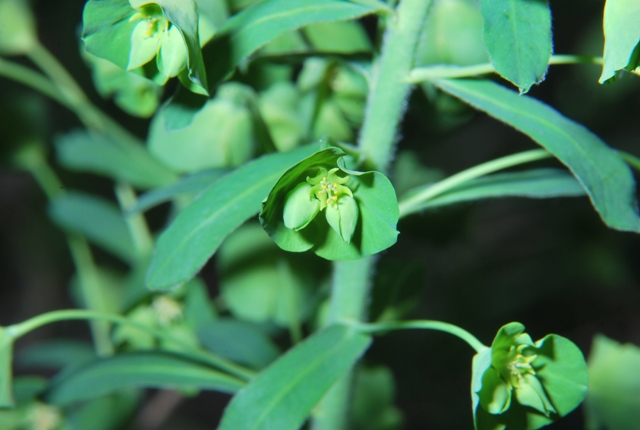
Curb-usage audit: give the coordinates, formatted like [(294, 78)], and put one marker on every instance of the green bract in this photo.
[(520, 384), (340, 214), (130, 33)]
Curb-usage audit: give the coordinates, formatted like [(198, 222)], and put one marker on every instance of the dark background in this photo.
[(550, 264)]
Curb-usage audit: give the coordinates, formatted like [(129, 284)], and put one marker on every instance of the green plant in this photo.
[(289, 110)]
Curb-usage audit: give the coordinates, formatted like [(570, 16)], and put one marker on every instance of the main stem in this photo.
[(385, 106)]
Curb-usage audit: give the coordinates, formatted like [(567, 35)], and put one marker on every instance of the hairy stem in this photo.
[(385, 106)]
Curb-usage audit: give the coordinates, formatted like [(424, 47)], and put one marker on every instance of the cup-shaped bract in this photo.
[(131, 33), (521, 384), (340, 214)]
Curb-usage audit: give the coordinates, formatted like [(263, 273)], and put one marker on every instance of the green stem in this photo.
[(379, 328), (631, 159), (414, 202), (442, 71), (18, 330), (389, 88), (138, 228), (33, 79), (385, 105)]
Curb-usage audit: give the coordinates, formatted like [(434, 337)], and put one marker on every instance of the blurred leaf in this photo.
[(410, 173), (105, 413), (282, 396), (238, 341), (249, 30), (199, 229), (140, 369), (279, 106), (131, 90), (452, 34), (98, 219), (55, 354), (373, 397), (613, 399), (536, 183), (17, 27), (27, 388), (221, 134), (107, 30), (344, 37), (6, 372), (86, 152), (198, 309), (604, 175), (622, 37), (518, 38), (190, 185)]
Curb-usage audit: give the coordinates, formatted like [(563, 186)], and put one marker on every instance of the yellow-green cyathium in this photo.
[(521, 384), (340, 214)]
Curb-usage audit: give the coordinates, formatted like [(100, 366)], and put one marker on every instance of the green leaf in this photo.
[(603, 174), (17, 27), (198, 230), (97, 219), (536, 183), (518, 37), (55, 354), (6, 372), (238, 341), (142, 369), (107, 30), (252, 28), (373, 397), (622, 37), (187, 186), (282, 396), (105, 413), (184, 16), (131, 90), (86, 152), (613, 399), (343, 37), (221, 134)]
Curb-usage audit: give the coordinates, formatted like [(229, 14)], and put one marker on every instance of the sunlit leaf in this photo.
[(282, 396), (198, 230), (518, 37), (605, 177)]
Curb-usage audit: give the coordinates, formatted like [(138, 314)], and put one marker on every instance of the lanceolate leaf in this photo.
[(141, 369), (622, 37), (605, 177), (518, 37), (282, 396), (97, 219), (537, 184), (86, 152), (197, 232)]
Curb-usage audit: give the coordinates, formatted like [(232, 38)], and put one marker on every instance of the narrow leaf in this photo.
[(97, 219), (282, 396), (518, 37), (603, 174), (621, 37), (198, 230), (188, 185), (536, 184), (86, 152), (141, 369)]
